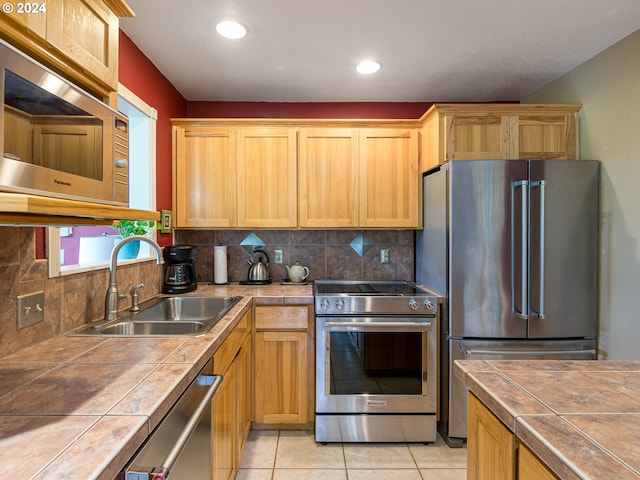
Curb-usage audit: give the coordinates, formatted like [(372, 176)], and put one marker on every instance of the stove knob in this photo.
[(428, 304), (413, 304), (340, 304), (324, 304)]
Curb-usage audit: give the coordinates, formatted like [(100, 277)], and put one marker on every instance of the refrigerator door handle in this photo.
[(523, 184), (470, 351), (540, 184)]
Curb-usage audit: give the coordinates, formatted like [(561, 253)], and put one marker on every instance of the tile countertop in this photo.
[(582, 418), (80, 407)]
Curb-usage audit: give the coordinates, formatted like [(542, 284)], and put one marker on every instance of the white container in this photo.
[(220, 265)]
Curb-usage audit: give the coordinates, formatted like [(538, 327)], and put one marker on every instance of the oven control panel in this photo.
[(376, 305)]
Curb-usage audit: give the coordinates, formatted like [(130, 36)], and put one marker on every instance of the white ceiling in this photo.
[(430, 50)]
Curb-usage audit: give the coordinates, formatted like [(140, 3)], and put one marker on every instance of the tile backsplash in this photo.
[(73, 300), (327, 253), (70, 300)]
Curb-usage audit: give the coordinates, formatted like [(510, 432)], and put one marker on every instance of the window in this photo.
[(78, 249)]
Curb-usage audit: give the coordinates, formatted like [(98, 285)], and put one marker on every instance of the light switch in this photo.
[(30, 309)]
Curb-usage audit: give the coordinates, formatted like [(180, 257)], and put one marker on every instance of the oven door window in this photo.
[(387, 363)]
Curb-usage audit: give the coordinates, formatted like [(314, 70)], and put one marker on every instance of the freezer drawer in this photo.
[(454, 405)]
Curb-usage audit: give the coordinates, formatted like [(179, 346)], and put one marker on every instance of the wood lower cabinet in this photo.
[(231, 417), (78, 38), (491, 447), (494, 452), (224, 433), (499, 131), (244, 362), (531, 468), (283, 366)]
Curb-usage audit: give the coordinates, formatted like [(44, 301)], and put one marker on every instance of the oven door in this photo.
[(376, 365)]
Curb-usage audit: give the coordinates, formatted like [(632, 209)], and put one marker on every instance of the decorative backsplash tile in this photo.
[(361, 244), (328, 253)]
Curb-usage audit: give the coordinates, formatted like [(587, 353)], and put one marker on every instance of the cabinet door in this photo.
[(389, 180), (545, 136), (281, 362), (86, 31), (267, 185), (531, 468), (491, 447), (243, 362), (224, 428), (328, 178), (204, 173), (33, 22), (478, 136)]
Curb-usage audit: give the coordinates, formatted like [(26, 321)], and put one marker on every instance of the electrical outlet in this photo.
[(30, 309), (279, 256), (384, 255)]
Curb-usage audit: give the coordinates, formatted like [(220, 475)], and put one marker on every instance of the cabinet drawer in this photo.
[(226, 352), (282, 318)]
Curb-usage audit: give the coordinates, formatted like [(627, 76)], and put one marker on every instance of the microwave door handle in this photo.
[(162, 472), (541, 184), (523, 184)]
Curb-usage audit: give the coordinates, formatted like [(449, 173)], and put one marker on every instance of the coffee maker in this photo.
[(179, 270)]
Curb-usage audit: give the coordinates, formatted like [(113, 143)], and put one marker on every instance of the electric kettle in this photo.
[(258, 270)]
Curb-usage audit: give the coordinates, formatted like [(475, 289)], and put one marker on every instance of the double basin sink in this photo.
[(166, 316)]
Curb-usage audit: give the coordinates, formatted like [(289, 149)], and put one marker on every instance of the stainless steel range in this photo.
[(376, 372)]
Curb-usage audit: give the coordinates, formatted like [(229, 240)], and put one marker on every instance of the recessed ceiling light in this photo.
[(231, 29), (368, 66)]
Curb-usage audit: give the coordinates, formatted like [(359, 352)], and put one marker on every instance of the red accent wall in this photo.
[(138, 74), (355, 110)]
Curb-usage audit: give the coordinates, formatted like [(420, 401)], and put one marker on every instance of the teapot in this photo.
[(258, 270), (297, 273)]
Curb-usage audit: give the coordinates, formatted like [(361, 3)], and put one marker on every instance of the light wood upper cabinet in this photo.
[(78, 38), (87, 32), (35, 22), (204, 177), (389, 178), (328, 178), (267, 185), (499, 131)]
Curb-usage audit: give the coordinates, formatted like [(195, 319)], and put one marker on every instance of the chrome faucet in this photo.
[(113, 296)]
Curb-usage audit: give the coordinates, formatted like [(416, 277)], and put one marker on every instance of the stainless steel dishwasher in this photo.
[(180, 447)]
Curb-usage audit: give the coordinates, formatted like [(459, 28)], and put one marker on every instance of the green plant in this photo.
[(126, 228)]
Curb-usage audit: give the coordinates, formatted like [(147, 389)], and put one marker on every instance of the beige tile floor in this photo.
[(289, 455)]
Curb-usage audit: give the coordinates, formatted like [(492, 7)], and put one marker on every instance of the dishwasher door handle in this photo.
[(162, 472)]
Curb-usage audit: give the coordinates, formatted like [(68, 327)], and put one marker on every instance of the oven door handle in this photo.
[(379, 324)]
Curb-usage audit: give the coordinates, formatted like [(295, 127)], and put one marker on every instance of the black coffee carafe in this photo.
[(179, 269)]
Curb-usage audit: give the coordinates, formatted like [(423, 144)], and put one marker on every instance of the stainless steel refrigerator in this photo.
[(512, 246)]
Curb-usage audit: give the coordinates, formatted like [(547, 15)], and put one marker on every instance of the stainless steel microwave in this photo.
[(58, 140)]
